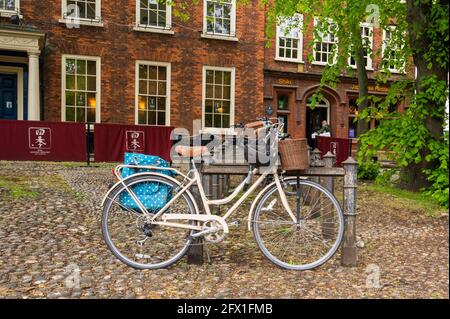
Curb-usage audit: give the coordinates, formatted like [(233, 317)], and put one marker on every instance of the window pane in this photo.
[(152, 88), (90, 14), (218, 77), (143, 71), (227, 78), (70, 98), (226, 107), (144, 17), (91, 114), (208, 120), (151, 118), (226, 121), (161, 118), (91, 83), (208, 106), (227, 92), (91, 68), (143, 87), (152, 103), (161, 103), (217, 91), (153, 20), (209, 76), (92, 100), (81, 114), (217, 120), (70, 66), (209, 91), (81, 67), (162, 73), (142, 102), (70, 114), (81, 99), (152, 73), (142, 117), (162, 19), (70, 82), (81, 83), (144, 4), (161, 88)]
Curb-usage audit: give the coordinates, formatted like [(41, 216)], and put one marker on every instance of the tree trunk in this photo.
[(363, 80), (419, 19)]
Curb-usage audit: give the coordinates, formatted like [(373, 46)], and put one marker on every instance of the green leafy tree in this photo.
[(414, 139)]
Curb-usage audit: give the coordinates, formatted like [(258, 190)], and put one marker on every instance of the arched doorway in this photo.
[(314, 117)]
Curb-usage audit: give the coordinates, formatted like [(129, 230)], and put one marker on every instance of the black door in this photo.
[(8, 97), (314, 120)]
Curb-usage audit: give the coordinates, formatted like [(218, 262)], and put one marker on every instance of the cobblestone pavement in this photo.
[(50, 232)]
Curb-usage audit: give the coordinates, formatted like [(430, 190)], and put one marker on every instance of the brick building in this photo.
[(134, 62), (290, 79)]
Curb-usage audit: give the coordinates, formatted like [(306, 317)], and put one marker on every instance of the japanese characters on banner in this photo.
[(113, 140), (42, 141)]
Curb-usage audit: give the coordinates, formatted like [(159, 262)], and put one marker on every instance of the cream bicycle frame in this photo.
[(205, 201)]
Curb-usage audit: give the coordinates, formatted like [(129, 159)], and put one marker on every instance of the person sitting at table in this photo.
[(323, 131)]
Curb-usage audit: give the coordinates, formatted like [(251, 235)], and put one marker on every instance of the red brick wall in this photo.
[(119, 47)]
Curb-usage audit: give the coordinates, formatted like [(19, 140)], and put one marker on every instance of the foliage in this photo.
[(439, 176), (368, 170)]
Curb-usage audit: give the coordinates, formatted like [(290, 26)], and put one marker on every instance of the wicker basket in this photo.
[(294, 154)]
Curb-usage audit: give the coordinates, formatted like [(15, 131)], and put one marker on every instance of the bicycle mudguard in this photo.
[(191, 197)]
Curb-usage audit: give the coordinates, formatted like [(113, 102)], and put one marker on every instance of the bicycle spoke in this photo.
[(309, 242)]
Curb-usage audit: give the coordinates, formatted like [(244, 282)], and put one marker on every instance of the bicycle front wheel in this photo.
[(307, 243), (129, 234)]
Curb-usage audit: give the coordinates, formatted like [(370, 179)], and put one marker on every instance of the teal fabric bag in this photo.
[(151, 194)]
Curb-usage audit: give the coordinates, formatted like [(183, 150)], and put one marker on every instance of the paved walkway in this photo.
[(50, 236)]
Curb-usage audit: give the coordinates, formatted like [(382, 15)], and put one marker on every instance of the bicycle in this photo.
[(297, 223)]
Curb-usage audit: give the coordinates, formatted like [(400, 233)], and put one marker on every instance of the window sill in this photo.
[(321, 63), (75, 22), (153, 30), (218, 131), (219, 37), (367, 68), (9, 14), (288, 60)]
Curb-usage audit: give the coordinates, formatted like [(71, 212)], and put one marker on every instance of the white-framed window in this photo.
[(82, 12), (290, 39), (153, 93), (9, 7), (391, 59), (153, 14), (81, 88), (218, 98), (367, 37), (325, 44), (219, 17)]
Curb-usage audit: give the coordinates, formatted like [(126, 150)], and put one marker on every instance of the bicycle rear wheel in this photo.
[(129, 235), (310, 242)]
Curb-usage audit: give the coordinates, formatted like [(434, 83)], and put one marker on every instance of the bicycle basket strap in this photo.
[(142, 159)]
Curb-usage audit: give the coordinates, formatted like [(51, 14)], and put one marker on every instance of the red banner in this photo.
[(42, 141), (111, 141), (337, 146)]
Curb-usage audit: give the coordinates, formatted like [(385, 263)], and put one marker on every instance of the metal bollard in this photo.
[(328, 224), (349, 256), (195, 253)]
